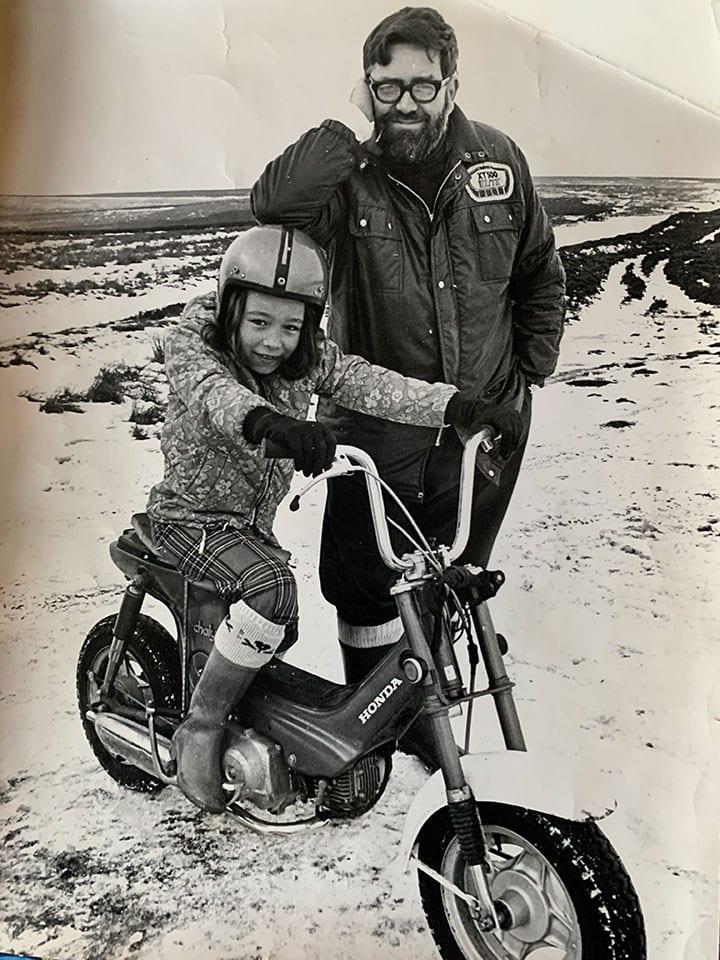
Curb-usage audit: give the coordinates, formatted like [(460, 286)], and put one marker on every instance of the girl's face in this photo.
[(268, 332)]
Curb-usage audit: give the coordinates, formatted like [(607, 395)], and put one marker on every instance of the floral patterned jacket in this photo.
[(212, 474)]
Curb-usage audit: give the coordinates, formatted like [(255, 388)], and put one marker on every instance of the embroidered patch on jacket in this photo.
[(490, 181)]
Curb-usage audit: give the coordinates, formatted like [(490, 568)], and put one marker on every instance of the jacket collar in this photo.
[(466, 144)]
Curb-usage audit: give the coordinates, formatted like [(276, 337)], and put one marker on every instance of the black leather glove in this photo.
[(310, 445), (470, 413)]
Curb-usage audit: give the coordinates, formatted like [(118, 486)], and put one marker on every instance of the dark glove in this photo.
[(469, 413), (310, 445)]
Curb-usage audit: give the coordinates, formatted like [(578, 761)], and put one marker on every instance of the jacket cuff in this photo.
[(255, 423)]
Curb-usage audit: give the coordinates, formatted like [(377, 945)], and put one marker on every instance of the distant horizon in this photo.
[(228, 190)]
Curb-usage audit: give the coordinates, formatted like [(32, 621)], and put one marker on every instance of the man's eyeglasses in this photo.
[(392, 91)]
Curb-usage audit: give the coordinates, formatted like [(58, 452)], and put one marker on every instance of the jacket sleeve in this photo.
[(197, 376), (354, 383), (303, 186), (537, 289)]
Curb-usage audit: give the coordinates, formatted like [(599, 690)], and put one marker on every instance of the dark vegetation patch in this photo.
[(172, 256), (17, 360), (567, 209), (111, 385), (157, 316), (146, 413), (589, 382), (62, 401), (634, 285), (691, 266), (658, 305)]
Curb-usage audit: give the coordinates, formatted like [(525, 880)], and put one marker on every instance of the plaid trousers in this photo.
[(240, 565)]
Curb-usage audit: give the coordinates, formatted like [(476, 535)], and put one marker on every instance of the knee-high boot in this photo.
[(244, 642), (198, 740)]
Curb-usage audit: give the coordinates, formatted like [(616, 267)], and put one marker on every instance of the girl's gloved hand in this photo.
[(310, 445), (470, 413)]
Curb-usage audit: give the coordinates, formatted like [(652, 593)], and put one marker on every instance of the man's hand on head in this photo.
[(361, 98), (357, 113)]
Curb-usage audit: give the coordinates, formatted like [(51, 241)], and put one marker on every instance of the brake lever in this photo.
[(340, 467)]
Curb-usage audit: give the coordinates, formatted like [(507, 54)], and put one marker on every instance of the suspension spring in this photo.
[(468, 829)]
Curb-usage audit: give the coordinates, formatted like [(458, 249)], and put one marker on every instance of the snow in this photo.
[(709, 236), (611, 551), (573, 233)]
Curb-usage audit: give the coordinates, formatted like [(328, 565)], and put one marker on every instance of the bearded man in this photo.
[(444, 267)]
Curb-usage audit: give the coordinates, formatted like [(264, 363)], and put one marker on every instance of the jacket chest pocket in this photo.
[(496, 229), (378, 248)]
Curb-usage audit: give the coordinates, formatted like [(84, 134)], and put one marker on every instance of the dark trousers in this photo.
[(353, 577)]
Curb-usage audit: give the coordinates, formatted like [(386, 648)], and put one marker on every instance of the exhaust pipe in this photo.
[(130, 740)]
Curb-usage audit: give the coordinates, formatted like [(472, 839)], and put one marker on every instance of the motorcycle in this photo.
[(508, 861)]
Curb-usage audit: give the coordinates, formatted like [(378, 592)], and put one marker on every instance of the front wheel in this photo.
[(561, 882)]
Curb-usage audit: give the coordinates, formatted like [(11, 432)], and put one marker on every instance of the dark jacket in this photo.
[(478, 274)]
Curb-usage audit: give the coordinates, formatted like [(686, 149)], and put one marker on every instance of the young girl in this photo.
[(243, 366)]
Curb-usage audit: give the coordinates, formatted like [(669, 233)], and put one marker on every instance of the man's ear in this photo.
[(453, 87)]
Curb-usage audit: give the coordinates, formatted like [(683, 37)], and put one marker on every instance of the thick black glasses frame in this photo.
[(405, 87)]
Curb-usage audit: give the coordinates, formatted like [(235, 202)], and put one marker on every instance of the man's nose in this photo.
[(406, 104)]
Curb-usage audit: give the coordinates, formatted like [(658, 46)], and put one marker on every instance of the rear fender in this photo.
[(534, 780)]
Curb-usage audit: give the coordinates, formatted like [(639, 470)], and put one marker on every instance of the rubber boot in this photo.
[(197, 742), (358, 662)]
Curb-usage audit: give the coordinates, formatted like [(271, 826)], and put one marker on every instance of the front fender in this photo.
[(535, 780)]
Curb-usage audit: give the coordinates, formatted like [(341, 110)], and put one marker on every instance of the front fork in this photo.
[(461, 803)]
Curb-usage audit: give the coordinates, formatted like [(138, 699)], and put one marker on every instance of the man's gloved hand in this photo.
[(470, 413), (310, 445)]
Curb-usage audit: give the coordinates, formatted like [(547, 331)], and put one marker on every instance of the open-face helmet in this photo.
[(278, 260)]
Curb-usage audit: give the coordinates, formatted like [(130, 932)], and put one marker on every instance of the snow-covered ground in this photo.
[(612, 556)]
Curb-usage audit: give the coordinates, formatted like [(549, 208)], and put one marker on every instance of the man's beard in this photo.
[(411, 146)]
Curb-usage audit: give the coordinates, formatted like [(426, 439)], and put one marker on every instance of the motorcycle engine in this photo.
[(359, 788), (255, 770)]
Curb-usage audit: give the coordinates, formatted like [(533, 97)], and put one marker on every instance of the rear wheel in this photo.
[(149, 671), (568, 893)]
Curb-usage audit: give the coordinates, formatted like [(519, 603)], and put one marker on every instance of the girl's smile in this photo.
[(268, 332)]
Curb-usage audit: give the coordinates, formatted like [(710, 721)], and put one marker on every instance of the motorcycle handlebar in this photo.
[(349, 459)]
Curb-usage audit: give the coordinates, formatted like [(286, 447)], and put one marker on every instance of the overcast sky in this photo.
[(122, 95)]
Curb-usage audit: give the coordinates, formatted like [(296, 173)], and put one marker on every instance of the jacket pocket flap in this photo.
[(373, 222), (491, 217)]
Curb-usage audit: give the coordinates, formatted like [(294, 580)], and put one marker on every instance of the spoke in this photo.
[(517, 949), (560, 934), (533, 867)]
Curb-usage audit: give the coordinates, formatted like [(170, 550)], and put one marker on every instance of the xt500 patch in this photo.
[(490, 181)]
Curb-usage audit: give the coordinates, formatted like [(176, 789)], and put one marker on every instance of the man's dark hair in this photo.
[(217, 334), (418, 27)]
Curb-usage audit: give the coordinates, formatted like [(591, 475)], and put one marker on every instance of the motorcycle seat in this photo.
[(141, 527)]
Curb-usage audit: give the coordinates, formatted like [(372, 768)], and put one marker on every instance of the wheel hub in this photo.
[(528, 910)]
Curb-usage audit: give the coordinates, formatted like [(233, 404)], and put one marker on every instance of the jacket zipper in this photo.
[(430, 213), (262, 490)]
